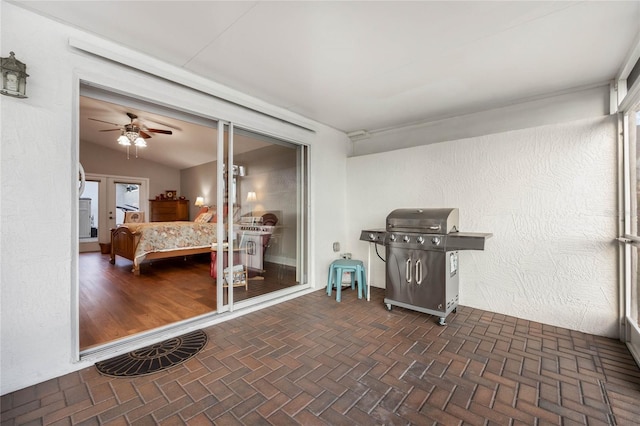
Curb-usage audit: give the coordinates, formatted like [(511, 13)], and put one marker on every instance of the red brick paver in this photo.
[(313, 361)]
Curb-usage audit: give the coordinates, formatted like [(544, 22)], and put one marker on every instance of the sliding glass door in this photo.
[(630, 121), (262, 197), (254, 184)]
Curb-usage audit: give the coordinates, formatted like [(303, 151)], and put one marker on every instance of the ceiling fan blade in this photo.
[(164, 132), (108, 130), (144, 135), (171, 126), (102, 121)]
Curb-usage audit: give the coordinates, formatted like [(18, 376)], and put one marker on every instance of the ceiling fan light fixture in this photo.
[(123, 140), (132, 135)]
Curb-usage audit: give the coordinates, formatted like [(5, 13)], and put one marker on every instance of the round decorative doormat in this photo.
[(154, 358)]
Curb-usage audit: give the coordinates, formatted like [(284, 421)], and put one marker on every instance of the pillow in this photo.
[(225, 213), (133, 217), (204, 217), (203, 209)]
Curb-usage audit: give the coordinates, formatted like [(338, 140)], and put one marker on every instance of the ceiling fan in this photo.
[(134, 129), (133, 133)]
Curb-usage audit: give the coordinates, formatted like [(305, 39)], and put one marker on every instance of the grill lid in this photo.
[(431, 221)]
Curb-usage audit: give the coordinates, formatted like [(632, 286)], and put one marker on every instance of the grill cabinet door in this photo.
[(417, 277)]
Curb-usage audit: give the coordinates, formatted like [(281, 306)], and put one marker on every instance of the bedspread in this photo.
[(170, 236)]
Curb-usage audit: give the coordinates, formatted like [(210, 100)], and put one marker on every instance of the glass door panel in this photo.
[(263, 197), (270, 218), (631, 129), (631, 302), (124, 197)]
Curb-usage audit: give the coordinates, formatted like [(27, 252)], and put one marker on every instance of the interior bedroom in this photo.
[(148, 217)]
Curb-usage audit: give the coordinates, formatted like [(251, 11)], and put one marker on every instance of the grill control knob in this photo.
[(420, 239), (406, 239), (392, 237), (436, 241), (372, 237)]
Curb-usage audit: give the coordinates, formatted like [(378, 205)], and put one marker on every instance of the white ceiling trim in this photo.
[(628, 95), (551, 97), (147, 64), (631, 59), (631, 98)]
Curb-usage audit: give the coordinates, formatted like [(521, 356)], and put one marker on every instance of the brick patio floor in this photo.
[(313, 361)]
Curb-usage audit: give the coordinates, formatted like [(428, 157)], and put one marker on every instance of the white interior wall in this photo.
[(97, 159), (38, 214), (548, 195), (271, 173)]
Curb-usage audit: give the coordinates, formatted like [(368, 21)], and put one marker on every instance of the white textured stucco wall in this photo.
[(38, 181), (548, 194)]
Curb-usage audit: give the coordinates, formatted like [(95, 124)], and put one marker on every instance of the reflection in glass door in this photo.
[(264, 204)]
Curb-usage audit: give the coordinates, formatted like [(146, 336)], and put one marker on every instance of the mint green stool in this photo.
[(339, 267)]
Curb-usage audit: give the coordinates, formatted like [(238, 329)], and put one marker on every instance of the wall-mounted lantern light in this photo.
[(14, 77)]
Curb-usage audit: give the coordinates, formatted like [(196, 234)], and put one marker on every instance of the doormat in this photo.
[(154, 358)]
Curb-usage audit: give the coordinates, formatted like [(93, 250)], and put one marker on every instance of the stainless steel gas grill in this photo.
[(422, 258)]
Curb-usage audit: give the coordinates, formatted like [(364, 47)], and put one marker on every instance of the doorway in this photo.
[(103, 205), (116, 305), (89, 216)]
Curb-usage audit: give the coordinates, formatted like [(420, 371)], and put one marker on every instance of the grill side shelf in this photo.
[(377, 236), (467, 240)]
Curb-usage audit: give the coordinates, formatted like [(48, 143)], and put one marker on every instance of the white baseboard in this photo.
[(280, 260)]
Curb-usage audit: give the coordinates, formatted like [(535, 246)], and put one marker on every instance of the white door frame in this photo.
[(628, 179)]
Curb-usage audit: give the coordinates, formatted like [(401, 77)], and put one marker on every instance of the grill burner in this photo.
[(422, 258)]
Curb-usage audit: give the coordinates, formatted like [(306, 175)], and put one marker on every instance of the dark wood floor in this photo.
[(114, 303), (314, 361)]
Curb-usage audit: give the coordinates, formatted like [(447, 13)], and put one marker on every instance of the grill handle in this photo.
[(418, 272), (434, 227), (408, 270)]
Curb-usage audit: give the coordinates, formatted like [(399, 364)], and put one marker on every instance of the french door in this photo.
[(103, 204)]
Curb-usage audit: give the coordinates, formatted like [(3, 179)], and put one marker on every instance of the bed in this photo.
[(160, 240)]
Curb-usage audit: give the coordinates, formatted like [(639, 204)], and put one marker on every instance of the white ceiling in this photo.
[(192, 142), (374, 65)]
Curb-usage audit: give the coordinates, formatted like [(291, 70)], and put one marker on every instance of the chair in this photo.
[(240, 278), (268, 219), (338, 268)]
